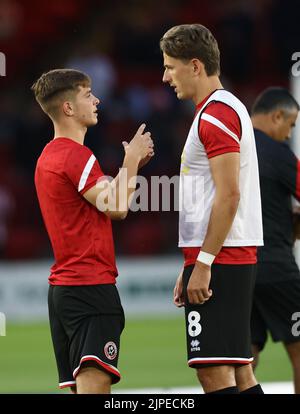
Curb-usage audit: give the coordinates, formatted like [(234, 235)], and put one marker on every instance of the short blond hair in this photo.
[(57, 85)]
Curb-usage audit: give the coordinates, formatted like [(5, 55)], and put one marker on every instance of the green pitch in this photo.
[(152, 355)]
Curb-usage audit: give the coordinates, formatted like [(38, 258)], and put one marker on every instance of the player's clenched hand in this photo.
[(198, 291), (141, 146), (145, 160), (178, 292)]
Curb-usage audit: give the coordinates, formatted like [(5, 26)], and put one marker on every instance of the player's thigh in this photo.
[(216, 377), (91, 379)]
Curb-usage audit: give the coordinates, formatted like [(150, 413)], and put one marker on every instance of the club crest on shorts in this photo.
[(110, 350)]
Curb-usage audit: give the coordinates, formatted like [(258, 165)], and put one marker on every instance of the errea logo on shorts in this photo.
[(195, 345), (110, 350)]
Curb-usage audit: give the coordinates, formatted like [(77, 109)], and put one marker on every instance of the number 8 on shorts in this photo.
[(194, 327)]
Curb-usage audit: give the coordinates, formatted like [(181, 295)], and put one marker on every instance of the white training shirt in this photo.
[(197, 189)]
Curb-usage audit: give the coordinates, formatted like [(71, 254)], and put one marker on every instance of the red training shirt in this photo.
[(80, 235)]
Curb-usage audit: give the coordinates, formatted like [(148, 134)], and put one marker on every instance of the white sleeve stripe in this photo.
[(86, 172), (220, 125)]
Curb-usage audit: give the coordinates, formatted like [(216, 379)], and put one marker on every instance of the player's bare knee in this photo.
[(93, 379), (205, 379), (203, 376), (245, 377), (213, 378)]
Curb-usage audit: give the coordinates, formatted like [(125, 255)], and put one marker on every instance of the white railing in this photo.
[(145, 286)]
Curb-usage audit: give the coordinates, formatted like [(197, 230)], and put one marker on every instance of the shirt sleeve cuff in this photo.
[(221, 151), (90, 185)]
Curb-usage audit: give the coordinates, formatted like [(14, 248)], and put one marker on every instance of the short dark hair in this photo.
[(57, 84), (274, 98), (189, 41)]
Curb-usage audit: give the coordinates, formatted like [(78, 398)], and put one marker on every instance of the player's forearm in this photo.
[(123, 186), (222, 215)]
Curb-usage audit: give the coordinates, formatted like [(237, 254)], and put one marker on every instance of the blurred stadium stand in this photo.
[(116, 42)]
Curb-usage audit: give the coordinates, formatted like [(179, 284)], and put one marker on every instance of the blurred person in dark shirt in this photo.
[(277, 290)]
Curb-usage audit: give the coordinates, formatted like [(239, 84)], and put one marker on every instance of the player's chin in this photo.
[(93, 121), (181, 96)]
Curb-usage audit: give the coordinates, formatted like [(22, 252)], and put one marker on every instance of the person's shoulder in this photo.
[(227, 97), (262, 137), (59, 145), (267, 145), (273, 149), (46, 154), (70, 147), (223, 104), (220, 110), (79, 158), (222, 113), (80, 152), (286, 151), (62, 142), (61, 151)]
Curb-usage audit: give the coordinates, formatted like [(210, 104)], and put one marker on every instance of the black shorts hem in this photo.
[(109, 369), (66, 384), (232, 361)]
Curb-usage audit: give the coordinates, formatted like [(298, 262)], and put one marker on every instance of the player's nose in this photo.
[(166, 78)]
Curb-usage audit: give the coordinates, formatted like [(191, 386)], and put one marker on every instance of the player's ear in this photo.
[(197, 66), (67, 108), (277, 116)]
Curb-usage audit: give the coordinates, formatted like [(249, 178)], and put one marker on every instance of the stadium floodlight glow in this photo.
[(2, 64)]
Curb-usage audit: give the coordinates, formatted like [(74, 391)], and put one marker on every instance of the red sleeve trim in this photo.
[(225, 114), (90, 185), (227, 255), (223, 151), (215, 129)]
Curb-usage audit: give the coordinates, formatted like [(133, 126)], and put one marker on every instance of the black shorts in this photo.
[(218, 332), (86, 323), (273, 307)]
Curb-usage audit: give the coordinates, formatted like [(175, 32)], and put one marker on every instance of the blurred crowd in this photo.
[(117, 44)]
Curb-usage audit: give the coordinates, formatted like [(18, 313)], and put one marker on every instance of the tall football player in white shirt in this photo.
[(218, 234)]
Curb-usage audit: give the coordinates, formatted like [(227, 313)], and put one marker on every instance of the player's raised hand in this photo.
[(141, 146), (145, 160)]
